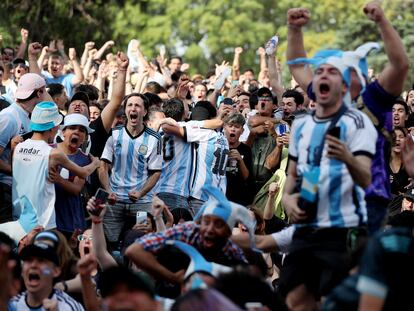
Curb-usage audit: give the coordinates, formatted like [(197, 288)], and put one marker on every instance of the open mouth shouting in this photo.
[(133, 117), (33, 278), (74, 140), (324, 89)]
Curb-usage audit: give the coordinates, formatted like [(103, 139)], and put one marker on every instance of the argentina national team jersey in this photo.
[(131, 159), (176, 167), (210, 153), (341, 202)]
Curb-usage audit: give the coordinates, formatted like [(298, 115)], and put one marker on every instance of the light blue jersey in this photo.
[(131, 159), (210, 153), (341, 202), (65, 80), (176, 166), (14, 120), (33, 194)]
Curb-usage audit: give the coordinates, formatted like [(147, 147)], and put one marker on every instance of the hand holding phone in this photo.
[(142, 217), (101, 198), (335, 132)]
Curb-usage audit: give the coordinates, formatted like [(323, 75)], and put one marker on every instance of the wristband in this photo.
[(96, 222), (158, 217)]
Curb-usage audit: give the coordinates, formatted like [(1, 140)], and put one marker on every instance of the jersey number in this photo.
[(168, 148), (220, 163)]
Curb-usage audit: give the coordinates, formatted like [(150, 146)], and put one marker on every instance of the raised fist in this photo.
[(298, 17), (261, 51), (374, 11), (34, 49), (122, 60), (109, 44), (238, 50), (72, 54), (89, 45), (25, 34)]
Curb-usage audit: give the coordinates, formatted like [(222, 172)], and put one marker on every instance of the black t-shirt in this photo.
[(99, 137), (399, 181), (238, 190), (98, 141)]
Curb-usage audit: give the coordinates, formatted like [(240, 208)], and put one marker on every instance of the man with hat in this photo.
[(14, 121), (39, 271), (70, 214), (211, 237), (375, 98), (33, 160)]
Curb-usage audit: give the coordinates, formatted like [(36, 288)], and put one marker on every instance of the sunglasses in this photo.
[(82, 237)]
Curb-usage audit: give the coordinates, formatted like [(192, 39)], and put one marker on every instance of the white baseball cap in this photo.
[(77, 119)]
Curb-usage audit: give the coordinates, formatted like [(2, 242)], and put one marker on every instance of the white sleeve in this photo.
[(196, 132), (108, 151), (155, 158), (284, 238), (363, 139)]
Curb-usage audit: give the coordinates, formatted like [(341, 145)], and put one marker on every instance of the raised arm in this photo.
[(78, 78), (147, 262), (274, 77), (118, 92), (43, 55), (106, 46), (393, 76), (88, 46), (33, 51), (296, 19), (59, 158), (23, 44), (105, 260), (236, 63)]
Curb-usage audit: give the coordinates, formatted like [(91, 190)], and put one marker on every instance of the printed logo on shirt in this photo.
[(31, 151), (143, 149)]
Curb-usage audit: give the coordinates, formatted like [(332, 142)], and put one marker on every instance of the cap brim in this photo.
[(38, 252)]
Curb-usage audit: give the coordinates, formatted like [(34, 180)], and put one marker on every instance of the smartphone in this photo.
[(335, 132), (228, 101), (142, 217), (101, 197), (282, 129)]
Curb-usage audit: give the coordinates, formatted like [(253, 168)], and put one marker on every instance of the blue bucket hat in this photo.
[(45, 116)]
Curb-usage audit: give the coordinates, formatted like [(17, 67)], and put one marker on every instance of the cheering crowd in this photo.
[(128, 184)]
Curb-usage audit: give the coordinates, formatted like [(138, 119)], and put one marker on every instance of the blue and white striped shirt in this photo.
[(131, 159), (176, 167), (210, 153), (341, 202)]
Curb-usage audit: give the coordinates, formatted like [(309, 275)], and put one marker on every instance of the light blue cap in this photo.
[(231, 213), (45, 116), (198, 262)]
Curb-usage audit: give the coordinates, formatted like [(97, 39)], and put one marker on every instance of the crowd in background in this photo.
[(127, 183)]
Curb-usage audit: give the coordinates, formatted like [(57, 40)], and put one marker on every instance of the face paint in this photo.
[(47, 271)]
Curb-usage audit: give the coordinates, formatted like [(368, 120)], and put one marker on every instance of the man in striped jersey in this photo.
[(330, 155), (173, 187), (210, 154), (133, 153), (175, 182)]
